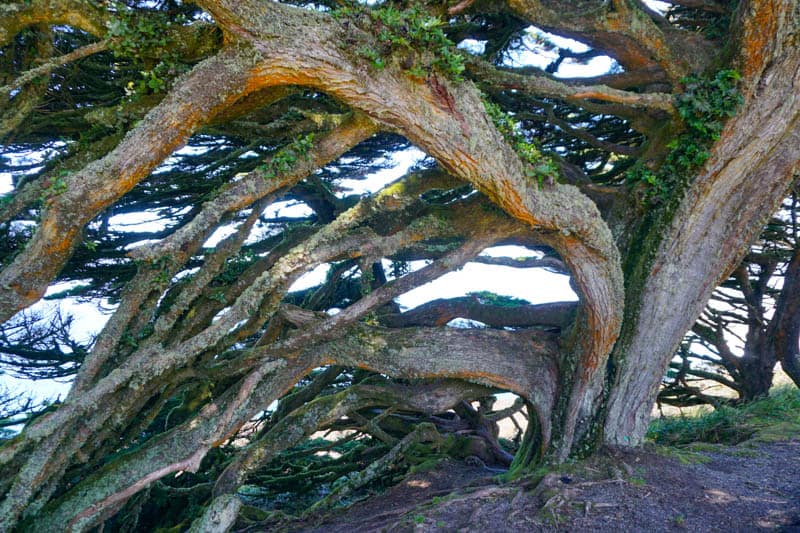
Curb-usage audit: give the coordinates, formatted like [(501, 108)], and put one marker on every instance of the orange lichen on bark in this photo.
[(758, 36), (511, 201)]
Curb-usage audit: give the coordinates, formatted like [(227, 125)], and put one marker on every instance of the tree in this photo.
[(756, 307), (646, 183)]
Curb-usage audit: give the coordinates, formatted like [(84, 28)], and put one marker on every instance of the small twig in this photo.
[(47, 68)]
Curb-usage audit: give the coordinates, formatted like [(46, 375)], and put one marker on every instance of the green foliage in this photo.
[(490, 298), (412, 34), (163, 266), (771, 418), (707, 103), (135, 35), (704, 106), (538, 167), (143, 37), (57, 186), (285, 158), (235, 267)]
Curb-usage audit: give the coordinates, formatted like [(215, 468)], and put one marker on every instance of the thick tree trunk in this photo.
[(750, 170), (786, 333)]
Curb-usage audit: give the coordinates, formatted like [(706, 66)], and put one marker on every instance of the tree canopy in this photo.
[(241, 130)]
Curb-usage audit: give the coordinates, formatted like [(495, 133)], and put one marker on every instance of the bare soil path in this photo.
[(754, 486)]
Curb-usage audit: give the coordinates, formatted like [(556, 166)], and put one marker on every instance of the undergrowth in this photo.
[(776, 417)]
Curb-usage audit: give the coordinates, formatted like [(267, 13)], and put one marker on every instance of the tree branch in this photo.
[(52, 64), (545, 86), (210, 86), (440, 312)]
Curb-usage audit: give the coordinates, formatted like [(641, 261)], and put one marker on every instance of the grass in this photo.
[(774, 418)]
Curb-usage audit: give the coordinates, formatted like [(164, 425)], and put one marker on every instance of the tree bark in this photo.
[(751, 168), (786, 332)]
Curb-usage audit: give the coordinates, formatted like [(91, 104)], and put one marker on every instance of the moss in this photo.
[(683, 455), (706, 99), (737, 452), (704, 107), (411, 38), (703, 447), (427, 465), (286, 157)]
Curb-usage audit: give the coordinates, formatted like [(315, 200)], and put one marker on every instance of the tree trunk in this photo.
[(757, 371), (786, 333), (751, 168)]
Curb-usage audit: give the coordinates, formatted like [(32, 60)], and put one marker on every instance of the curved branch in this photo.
[(82, 14), (49, 66), (211, 86), (457, 132), (440, 312), (543, 85), (625, 32)]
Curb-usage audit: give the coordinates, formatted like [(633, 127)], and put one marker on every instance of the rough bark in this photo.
[(786, 331), (751, 168), (457, 132)]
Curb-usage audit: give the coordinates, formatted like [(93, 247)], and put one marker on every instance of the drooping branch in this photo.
[(545, 86), (511, 360), (325, 410), (182, 448), (522, 362), (180, 245), (212, 85), (457, 132), (257, 184), (258, 302)]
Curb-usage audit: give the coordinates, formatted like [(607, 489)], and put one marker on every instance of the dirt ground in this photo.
[(754, 486)]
